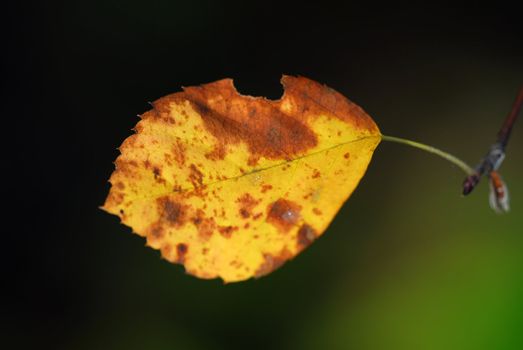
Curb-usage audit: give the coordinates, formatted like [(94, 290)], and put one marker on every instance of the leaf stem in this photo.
[(454, 160)]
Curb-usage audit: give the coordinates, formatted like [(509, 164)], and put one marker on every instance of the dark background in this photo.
[(406, 264)]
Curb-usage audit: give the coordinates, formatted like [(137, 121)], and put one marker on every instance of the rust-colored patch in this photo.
[(126, 167), (306, 235), (316, 174), (265, 188), (178, 152), (166, 250), (260, 123), (316, 211), (195, 176), (172, 212), (313, 99), (247, 204), (346, 155), (114, 198), (160, 112), (226, 231), (197, 220), (168, 159), (217, 153), (283, 214), (181, 250), (156, 172), (156, 232), (272, 262), (205, 226)]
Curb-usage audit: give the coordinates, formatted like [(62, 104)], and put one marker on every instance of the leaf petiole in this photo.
[(454, 160)]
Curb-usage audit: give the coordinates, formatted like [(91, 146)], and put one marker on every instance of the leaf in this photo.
[(233, 186)]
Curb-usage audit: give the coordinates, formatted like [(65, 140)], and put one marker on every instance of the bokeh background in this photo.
[(407, 264)]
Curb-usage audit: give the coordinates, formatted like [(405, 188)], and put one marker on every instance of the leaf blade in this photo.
[(233, 193)]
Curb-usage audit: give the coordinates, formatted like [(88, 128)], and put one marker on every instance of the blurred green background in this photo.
[(407, 263)]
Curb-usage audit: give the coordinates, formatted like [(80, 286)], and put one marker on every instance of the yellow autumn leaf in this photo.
[(233, 186)]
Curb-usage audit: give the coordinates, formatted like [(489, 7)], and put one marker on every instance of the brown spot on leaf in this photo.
[(205, 226), (168, 159), (306, 235), (160, 113), (195, 176), (272, 262), (346, 155), (265, 188), (178, 152), (156, 172), (253, 160), (114, 199), (252, 112), (156, 232), (173, 212), (316, 174), (181, 250), (283, 214), (226, 231), (126, 167), (316, 211), (217, 153), (247, 204)]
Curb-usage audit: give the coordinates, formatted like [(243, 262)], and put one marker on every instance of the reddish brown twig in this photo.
[(493, 159)]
